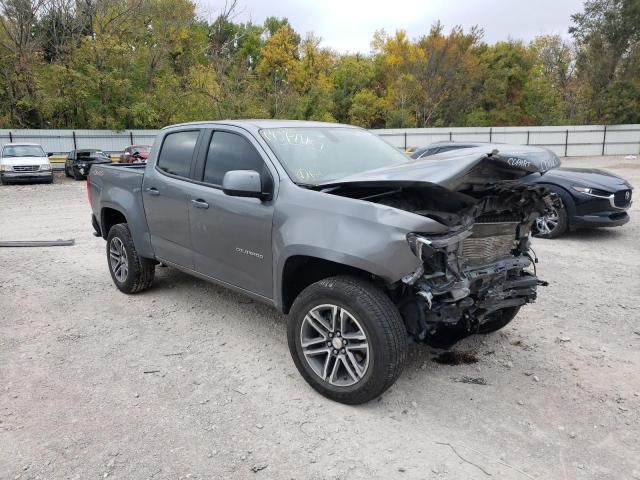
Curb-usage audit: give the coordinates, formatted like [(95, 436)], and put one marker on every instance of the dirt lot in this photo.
[(188, 380)]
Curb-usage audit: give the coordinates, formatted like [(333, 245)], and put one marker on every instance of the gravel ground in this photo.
[(188, 380)]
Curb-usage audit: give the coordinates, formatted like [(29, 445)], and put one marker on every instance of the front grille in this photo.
[(26, 168), (489, 243), (622, 198)]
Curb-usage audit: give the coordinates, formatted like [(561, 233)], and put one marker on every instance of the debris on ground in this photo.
[(470, 380), (259, 466)]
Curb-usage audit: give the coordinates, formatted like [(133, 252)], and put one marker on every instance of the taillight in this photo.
[(89, 188)]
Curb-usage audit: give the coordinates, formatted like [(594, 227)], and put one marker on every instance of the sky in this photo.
[(348, 25)]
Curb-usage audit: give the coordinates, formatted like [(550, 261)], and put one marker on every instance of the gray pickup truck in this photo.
[(363, 248)]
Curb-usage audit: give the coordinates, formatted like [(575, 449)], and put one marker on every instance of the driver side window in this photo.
[(230, 151)]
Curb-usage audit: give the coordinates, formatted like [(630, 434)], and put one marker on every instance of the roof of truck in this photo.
[(265, 123)]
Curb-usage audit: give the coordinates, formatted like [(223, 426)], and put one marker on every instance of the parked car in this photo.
[(24, 162), (78, 162), (585, 197), (361, 246), (135, 153)]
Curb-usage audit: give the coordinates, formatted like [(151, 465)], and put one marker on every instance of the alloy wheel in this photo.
[(118, 259), (334, 345), (548, 222)]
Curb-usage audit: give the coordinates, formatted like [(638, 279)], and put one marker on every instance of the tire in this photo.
[(368, 313), (499, 319), (66, 172), (553, 224), (138, 273), (77, 176)]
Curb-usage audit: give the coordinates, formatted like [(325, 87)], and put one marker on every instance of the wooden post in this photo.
[(75, 144), (528, 137), (131, 136), (566, 142), (604, 139), (405, 139)]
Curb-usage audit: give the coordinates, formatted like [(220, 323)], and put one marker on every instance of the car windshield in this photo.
[(23, 151), (314, 155)]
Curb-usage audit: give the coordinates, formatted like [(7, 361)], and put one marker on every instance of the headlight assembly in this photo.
[(590, 191), (45, 168)]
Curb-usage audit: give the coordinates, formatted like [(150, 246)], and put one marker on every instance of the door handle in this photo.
[(198, 203), (152, 191)]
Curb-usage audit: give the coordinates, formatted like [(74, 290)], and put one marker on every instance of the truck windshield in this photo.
[(22, 151), (314, 155)]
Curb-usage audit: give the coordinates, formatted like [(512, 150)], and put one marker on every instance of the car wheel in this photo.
[(77, 176), (347, 339), (499, 319), (129, 272), (66, 172), (552, 224)]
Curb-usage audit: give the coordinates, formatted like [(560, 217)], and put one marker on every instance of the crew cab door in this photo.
[(231, 236), (165, 196)]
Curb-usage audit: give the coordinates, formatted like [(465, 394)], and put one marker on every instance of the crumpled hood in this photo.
[(459, 168), (25, 161)]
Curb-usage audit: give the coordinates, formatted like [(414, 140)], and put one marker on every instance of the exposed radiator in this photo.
[(489, 243)]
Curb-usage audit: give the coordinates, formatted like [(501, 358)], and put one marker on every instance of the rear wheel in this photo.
[(347, 339), (129, 272), (77, 176)]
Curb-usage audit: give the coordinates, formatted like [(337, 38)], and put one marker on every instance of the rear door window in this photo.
[(177, 152)]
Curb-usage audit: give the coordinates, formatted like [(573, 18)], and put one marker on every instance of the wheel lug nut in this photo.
[(342, 351), (328, 344), (330, 334), (338, 334), (335, 352)]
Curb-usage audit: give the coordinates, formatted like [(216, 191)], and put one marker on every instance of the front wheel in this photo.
[(552, 223), (347, 339), (129, 272)]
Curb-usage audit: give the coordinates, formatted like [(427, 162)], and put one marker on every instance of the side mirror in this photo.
[(243, 183), (49, 154)]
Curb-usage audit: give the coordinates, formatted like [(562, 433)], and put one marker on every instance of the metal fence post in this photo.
[(490, 134), (10, 136), (405, 139), (449, 135), (528, 137), (566, 142), (75, 144), (131, 136), (604, 139)]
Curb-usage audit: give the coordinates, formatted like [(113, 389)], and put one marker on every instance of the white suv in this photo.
[(24, 162)]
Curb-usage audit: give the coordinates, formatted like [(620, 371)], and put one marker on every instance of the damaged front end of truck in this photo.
[(475, 277)]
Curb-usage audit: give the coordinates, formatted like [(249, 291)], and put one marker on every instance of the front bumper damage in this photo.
[(477, 270)]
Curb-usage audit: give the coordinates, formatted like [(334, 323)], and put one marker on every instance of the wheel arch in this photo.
[(300, 271), (109, 217), (565, 195)]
